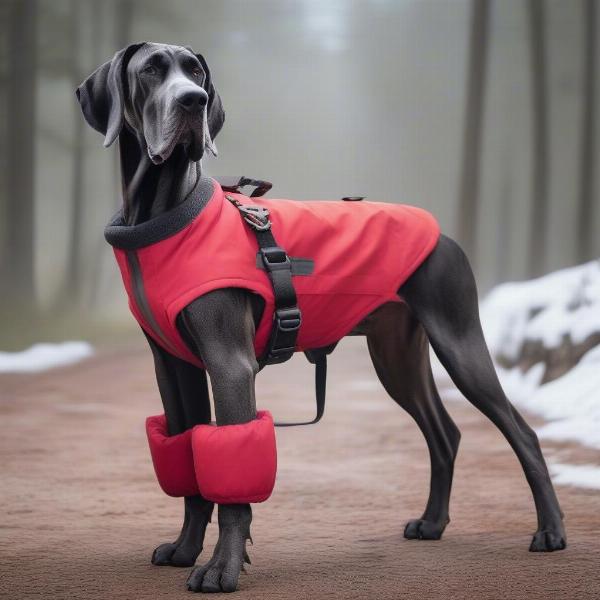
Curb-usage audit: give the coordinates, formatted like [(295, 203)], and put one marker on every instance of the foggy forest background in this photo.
[(482, 111)]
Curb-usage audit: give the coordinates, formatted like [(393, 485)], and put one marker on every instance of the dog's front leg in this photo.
[(221, 327), (184, 393)]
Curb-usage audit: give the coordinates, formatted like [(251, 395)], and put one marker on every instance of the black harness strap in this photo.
[(235, 184), (287, 317), (320, 388)]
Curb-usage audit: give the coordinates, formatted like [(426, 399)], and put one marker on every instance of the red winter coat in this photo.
[(362, 253)]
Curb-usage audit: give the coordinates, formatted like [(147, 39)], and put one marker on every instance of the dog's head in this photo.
[(163, 93)]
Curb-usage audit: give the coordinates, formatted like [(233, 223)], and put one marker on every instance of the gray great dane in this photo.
[(160, 102)]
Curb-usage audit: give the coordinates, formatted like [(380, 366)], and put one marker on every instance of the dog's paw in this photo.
[(175, 555), (213, 578), (222, 571), (162, 554), (421, 529), (548, 540)]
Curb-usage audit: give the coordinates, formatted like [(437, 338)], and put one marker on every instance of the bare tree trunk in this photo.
[(468, 198), (73, 285), (538, 230), (585, 229), (124, 15), (18, 286), (504, 210)]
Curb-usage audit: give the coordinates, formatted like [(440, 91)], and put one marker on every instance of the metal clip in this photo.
[(256, 216)]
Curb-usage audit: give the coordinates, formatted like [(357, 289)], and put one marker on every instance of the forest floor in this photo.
[(81, 510)]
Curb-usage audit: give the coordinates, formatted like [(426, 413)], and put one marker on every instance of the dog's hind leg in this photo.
[(443, 296), (400, 353), (184, 392)]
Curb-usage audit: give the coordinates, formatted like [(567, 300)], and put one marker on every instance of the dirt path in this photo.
[(81, 511)]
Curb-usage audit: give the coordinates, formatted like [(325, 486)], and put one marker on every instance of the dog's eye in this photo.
[(197, 72), (150, 70)]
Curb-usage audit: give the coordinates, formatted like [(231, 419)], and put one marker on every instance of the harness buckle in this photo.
[(282, 345), (274, 258), (288, 319), (256, 216)]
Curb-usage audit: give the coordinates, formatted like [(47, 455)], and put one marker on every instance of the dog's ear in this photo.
[(215, 112), (102, 95)]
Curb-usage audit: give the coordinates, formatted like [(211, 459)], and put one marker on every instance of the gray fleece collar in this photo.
[(132, 237)]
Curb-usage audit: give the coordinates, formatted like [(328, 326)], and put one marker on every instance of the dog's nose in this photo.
[(192, 100)]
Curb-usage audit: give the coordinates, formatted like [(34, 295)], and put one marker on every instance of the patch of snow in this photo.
[(570, 403), (563, 303), (41, 357), (584, 476), (544, 309)]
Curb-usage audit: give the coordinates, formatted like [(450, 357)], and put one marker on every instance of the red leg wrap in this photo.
[(172, 458), (236, 464)]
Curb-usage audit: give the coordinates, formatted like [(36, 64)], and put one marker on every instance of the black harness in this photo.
[(287, 316)]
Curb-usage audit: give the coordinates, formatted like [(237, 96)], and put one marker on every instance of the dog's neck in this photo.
[(148, 189)]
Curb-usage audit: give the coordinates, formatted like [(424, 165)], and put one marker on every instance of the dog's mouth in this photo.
[(190, 135), (193, 143)]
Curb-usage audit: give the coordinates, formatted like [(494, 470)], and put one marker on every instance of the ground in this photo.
[(81, 510)]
